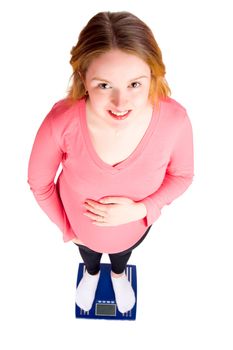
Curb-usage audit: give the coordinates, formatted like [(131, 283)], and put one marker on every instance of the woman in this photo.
[(125, 146)]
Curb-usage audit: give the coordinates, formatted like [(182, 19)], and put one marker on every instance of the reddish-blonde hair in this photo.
[(117, 30)]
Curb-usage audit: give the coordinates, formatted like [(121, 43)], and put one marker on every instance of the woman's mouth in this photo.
[(119, 115)]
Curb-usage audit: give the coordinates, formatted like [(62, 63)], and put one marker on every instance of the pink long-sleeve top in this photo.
[(159, 170)]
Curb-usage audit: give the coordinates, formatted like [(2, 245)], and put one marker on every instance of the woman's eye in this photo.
[(135, 84), (104, 86)]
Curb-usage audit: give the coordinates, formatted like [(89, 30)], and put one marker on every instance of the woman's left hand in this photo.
[(114, 211)]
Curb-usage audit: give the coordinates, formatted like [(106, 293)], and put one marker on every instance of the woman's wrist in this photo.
[(142, 211)]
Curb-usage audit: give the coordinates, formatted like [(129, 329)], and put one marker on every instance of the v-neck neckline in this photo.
[(113, 169)]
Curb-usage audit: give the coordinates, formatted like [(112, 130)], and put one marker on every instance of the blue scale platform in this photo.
[(104, 305)]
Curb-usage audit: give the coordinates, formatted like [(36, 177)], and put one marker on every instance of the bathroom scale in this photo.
[(104, 305)]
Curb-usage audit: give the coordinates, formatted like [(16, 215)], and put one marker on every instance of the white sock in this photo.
[(124, 293), (85, 292)]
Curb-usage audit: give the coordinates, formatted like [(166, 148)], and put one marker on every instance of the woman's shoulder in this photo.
[(65, 109), (173, 114), (173, 106), (64, 117)]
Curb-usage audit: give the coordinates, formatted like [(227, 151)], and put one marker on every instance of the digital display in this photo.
[(105, 309)]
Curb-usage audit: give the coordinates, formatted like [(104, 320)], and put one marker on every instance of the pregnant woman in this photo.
[(126, 149)]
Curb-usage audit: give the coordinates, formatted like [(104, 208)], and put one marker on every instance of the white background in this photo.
[(185, 265)]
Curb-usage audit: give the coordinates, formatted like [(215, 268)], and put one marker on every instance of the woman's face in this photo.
[(118, 86)]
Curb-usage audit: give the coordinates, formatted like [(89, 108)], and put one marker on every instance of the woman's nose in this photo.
[(119, 100)]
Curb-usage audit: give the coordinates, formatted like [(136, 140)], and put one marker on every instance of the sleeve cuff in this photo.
[(153, 211), (69, 235)]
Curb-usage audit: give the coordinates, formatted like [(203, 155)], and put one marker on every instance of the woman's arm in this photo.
[(178, 177), (44, 161)]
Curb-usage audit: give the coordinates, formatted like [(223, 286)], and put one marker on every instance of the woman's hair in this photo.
[(123, 31)]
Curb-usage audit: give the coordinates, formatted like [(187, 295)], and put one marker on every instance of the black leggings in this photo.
[(118, 260)]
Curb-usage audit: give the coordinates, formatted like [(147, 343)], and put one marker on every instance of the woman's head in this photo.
[(118, 85), (122, 31)]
